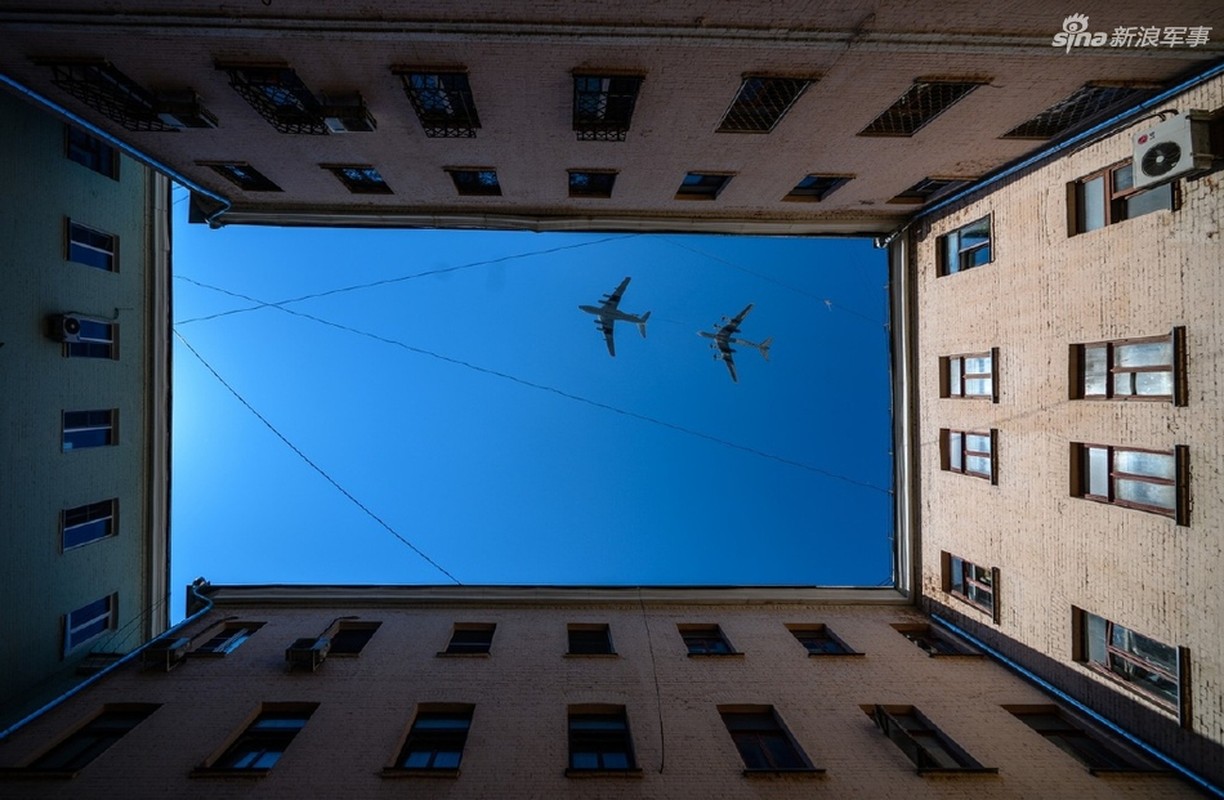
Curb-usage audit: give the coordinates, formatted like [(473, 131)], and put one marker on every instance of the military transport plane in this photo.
[(724, 336), (608, 314)]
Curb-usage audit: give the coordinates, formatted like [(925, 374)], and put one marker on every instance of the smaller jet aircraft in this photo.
[(724, 336), (608, 314)]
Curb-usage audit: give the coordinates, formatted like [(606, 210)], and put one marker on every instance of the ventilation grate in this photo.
[(1085, 103), (924, 101), (760, 103)]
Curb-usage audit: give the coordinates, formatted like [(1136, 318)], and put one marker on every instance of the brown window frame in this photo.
[(1080, 479), (964, 255), (921, 741), (970, 576), (1080, 652), (763, 742), (945, 453), (1077, 364), (1114, 200), (947, 390)]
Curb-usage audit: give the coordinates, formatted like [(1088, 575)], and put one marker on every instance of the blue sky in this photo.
[(475, 411)]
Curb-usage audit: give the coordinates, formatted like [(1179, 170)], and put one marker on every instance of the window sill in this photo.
[(956, 655), (851, 654), (222, 772), (591, 655), (938, 771), (967, 602), (632, 772), (30, 773), (716, 655), (1131, 772), (432, 772), (444, 654), (1132, 689), (796, 772)]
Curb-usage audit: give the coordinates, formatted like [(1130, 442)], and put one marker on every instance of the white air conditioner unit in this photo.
[(308, 652), (167, 653), (64, 328), (1178, 147)]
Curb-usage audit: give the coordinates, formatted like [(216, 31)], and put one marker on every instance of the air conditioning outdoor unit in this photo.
[(308, 652), (167, 653), (1175, 148), (64, 328)]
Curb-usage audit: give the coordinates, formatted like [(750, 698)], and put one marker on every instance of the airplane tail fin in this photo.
[(642, 324), (764, 347)]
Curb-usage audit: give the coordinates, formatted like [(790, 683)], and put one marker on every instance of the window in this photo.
[(89, 622), (279, 96), (590, 640), (442, 101), (228, 639), (761, 103), (436, 739), (599, 739), (702, 185), (1110, 196), (87, 743), (969, 375), (92, 247), (85, 524), (970, 453), (975, 585), (1155, 670), (1131, 369), (603, 106), (360, 179), (97, 84), (1090, 748), (1085, 103), (1148, 480), (265, 740), (94, 339), (928, 747), (470, 639), (927, 189), (814, 188), (242, 175), (924, 101), (705, 640), (591, 183), (762, 741), (475, 181), (351, 637), (965, 248), (90, 152), (89, 429), (820, 641), (934, 642)]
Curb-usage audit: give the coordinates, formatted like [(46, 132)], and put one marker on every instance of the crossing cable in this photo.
[(312, 464), (387, 281), (546, 388)]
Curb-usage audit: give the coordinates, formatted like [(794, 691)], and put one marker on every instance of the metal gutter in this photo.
[(1044, 685)]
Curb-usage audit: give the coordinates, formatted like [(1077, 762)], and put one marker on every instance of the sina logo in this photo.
[(1075, 34)]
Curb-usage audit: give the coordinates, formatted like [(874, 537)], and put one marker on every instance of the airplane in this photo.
[(724, 336), (608, 314)]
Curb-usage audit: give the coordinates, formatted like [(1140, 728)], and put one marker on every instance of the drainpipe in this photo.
[(132, 152), (102, 673), (1044, 685)]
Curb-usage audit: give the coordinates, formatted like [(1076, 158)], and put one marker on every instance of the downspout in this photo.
[(1050, 688), (131, 152), (102, 673)]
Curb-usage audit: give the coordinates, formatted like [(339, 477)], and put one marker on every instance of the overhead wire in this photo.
[(383, 523)]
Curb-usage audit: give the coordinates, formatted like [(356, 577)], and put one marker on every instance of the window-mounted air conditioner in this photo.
[(64, 328), (1175, 148), (184, 110), (166, 653), (346, 114), (308, 652)]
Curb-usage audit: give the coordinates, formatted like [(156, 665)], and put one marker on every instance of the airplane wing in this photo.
[(733, 326), (611, 301), (606, 324), (730, 367)]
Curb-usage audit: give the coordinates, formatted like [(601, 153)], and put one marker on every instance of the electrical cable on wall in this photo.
[(654, 672)]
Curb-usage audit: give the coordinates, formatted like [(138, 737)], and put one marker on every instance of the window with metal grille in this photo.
[(966, 247), (84, 429), (442, 101), (814, 188), (97, 736), (761, 103), (359, 179), (599, 740), (924, 101), (95, 339), (590, 640), (976, 585), (477, 181), (1157, 481), (89, 523), (89, 622), (1109, 196), (929, 748), (702, 185), (1151, 368), (436, 740), (928, 189), (1084, 744), (242, 175), (265, 740), (92, 247), (971, 376), (228, 639), (705, 640), (603, 106), (934, 642), (90, 152), (763, 743), (1086, 102), (279, 96), (818, 640), (108, 91), (1144, 665), (470, 639), (591, 183), (970, 453)]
